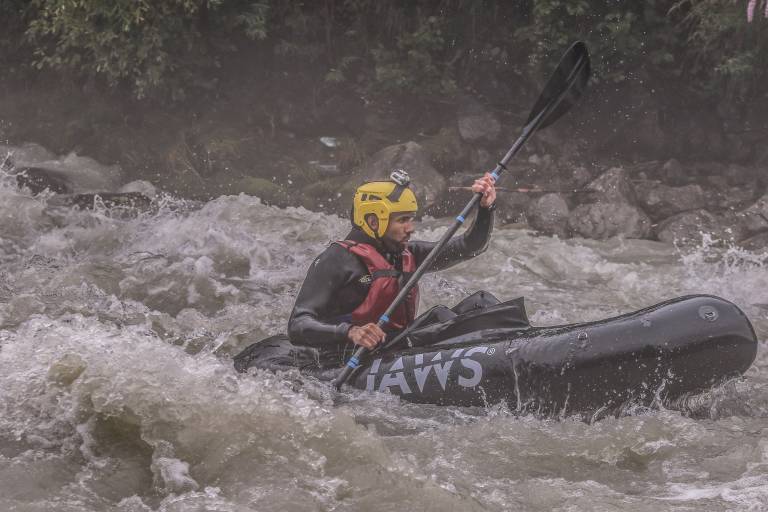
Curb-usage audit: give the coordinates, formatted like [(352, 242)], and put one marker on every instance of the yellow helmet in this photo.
[(382, 198)]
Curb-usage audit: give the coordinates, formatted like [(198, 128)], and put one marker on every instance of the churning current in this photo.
[(117, 391)]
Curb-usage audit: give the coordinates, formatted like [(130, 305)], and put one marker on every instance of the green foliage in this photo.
[(625, 38), (416, 63), (726, 55), (164, 48), (143, 42)]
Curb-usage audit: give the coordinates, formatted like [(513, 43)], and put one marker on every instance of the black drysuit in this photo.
[(337, 282)]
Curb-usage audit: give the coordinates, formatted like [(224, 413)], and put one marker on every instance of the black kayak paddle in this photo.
[(562, 91)]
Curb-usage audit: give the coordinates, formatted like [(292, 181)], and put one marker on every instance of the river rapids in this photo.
[(117, 391)]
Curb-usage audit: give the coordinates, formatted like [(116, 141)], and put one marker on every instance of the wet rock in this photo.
[(332, 195), (428, 184), (580, 176), (662, 201), (731, 197), (758, 242), (325, 170), (476, 123), (613, 186), (37, 180), (717, 181), (739, 175), (448, 152), (672, 172), (731, 226), (755, 218), (26, 155), (549, 214), (38, 169), (129, 200), (73, 173), (703, 168), (481, 158), (269, 192), (143, 187), (690, 227), (181, 175), (606, 219), (512, 206)]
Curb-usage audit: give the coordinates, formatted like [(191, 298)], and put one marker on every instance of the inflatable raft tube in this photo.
[(681, 346)]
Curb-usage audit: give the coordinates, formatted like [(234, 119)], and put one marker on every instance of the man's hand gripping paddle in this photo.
[(563, 90)]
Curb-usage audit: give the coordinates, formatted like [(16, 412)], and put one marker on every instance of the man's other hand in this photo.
[(368, 335), (486, 186)]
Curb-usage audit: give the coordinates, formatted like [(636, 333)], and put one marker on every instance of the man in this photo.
[(353, 281)]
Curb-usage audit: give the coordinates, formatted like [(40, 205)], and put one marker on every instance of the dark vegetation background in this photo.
[(198, 95)]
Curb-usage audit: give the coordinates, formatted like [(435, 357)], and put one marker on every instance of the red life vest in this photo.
[(384, 288)]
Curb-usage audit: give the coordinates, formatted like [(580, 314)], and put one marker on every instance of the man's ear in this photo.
[(372, 221)]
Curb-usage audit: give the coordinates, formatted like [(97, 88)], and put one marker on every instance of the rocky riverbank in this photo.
[(575, 179), (668, 201)]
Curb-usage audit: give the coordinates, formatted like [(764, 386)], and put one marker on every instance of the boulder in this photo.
[(606, 219), (732, 197), (738, 175), (26, 155), (512, 206), (128, 200), (580, 176), (613, 186), (71, 174), (662, 201), (755, 218), (719, 182), (428, 184), (143, 187), (481, 158), (549, 214), (672, 172), (689, 228), (332, 195), (476, 123), (269, 192), (758, 242), (448, 152), (40, 179)]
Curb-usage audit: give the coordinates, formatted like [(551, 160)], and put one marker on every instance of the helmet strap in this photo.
[(394, 196)]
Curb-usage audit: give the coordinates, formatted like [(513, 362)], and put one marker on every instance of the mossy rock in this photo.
[(269, 192), (449, 153), (329, 195)]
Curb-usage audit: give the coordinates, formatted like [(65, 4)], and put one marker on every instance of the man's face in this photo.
[(399, 229)]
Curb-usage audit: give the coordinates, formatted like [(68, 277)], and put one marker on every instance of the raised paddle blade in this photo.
[(565, 86)]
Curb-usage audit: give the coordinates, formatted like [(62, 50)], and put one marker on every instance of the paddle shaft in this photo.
[(528, 130)]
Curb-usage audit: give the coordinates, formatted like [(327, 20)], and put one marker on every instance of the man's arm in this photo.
[(473, 242), (330, 271)]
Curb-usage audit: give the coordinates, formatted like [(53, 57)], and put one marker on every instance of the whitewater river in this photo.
[(117, 390)]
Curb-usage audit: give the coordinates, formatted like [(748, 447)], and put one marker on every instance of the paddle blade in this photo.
[(565, 86)]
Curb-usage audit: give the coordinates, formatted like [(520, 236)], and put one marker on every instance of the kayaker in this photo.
[(354, 280)]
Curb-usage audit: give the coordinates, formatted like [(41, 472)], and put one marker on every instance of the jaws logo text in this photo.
[(438, 364)]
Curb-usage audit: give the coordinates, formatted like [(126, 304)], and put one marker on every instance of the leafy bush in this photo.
[(147, 43), (422, 47)]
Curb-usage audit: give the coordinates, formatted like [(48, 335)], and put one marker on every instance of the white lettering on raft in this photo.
[(396, 375)]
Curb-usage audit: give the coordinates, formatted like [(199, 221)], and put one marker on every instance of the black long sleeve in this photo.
[(459, 248), (318, 302), (335, 284)]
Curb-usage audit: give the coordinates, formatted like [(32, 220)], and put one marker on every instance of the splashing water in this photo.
[(116, 335)]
